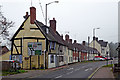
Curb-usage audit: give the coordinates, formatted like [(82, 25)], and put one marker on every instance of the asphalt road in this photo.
[(78, 70)]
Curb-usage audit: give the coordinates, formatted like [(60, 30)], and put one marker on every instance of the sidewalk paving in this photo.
[(104, 72), (32, 73)]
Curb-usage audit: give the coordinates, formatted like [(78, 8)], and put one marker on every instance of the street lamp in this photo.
[(118, 49), (94, 36), (46, 10)]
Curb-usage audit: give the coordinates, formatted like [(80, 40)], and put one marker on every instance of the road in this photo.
[(78, 70)]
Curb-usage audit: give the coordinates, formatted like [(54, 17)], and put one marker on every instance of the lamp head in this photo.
[(56, 1), (97, 28)]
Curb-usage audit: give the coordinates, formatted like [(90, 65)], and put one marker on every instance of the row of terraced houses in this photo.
[(36, 45)]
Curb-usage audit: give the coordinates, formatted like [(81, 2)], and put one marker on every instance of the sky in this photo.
[(74, 17)]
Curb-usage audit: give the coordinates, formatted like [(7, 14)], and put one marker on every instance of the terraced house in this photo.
[(101, 45), (36, 45)]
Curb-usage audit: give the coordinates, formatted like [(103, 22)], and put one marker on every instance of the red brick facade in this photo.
[(83, 56)]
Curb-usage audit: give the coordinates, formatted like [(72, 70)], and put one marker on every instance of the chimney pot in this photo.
[(53, 18), (62, 37), (32, 14), (93, 38), (71, 41), (83, 42), (75, 41), (67, 37), (96, 38), (26, 13)]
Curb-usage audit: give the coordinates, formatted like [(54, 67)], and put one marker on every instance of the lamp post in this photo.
[(118, 49), (46, 10), (94, 36)]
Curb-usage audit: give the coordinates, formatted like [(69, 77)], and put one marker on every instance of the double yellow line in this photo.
[(90, 77)]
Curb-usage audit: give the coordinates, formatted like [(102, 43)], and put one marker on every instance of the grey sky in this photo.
[(79, 17)]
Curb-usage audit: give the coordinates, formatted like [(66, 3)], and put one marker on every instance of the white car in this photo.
[(97, 58)]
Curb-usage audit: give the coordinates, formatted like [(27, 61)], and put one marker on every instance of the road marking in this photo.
[(70, 69), (93, 73), (58, 76), (70, 72), (77, 69), (86, 69), (83, 67), (90, 68)]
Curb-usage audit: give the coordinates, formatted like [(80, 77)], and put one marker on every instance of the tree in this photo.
[(113, 51), (5, 26)]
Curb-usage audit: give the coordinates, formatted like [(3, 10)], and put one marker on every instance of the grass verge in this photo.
[(5, 73), (109, 65)]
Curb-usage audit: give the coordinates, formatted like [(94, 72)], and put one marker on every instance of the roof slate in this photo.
[(102, 43), (51, 35), (84, 48)]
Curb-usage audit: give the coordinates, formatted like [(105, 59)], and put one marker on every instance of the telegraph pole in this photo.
[(88, 47)]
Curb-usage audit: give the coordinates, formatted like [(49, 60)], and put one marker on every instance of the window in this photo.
[(60, 58), (74, 57), (103, 50), (68, 52), (84, 57), (52, 58), (52, 45), (71, 59), (74, 50)]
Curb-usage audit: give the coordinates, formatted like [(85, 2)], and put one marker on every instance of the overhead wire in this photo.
[(42, 9)]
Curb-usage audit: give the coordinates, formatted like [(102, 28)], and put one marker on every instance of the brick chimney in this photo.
[(67, 37), (83, 43), (53, 24), (70, 41), (32, 14), (75, 41)]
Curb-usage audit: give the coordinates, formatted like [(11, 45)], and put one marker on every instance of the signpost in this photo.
[(35, 48)]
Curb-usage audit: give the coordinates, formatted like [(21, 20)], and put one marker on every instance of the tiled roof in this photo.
[(79, 46), (84, 48), (102, 43), (70, 45), (51, 35)]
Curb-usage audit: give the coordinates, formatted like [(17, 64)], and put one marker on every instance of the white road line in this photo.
[(70, 69), (86, 69), (83, 67), (90, 68), (58, 76), (70, 72), (77, 69)]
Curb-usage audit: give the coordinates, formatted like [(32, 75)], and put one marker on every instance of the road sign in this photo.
[(34, 48)]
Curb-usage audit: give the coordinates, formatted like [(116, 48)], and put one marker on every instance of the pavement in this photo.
[(102, 72)]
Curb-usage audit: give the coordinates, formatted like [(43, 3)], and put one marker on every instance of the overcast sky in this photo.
[(78, 17)]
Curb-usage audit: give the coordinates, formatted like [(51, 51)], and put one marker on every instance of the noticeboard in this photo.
[(34, 48), (16, 58)]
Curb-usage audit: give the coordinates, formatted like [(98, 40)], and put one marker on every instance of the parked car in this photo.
[(99, 59)]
